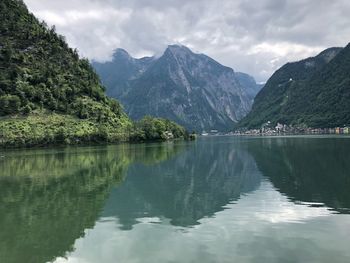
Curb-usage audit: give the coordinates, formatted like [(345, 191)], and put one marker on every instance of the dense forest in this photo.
[(314, 92), (50, 95)]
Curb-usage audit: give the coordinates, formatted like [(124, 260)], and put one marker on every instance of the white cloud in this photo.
[(264, 221), (253, 37)]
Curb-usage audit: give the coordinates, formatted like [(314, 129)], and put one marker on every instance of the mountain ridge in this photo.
[(189, 88), (295, 93)]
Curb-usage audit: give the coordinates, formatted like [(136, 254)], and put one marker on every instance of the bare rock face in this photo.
[(191, 89)]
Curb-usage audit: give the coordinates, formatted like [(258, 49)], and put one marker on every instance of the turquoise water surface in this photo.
[(219, 199)]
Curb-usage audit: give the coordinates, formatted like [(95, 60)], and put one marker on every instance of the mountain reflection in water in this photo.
[(215, 200)]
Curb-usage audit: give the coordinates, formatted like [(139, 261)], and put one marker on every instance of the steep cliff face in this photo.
[(120, 70), (192, 89), (250, 86)]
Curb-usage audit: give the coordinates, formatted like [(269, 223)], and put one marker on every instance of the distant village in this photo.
[(283, 129)]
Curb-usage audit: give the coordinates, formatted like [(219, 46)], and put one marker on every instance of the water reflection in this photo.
[(218, 199), (308, 170), (48, 198), (263, 226), (196, 183)]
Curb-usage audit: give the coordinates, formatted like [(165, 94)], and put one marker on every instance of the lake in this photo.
[(218, 199)]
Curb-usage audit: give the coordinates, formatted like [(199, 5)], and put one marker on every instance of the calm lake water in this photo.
[(219, 199)]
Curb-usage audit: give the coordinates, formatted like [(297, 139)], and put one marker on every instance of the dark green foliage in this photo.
[(307, 169), (49, 198), (156, 129), (314, 92), (9, 104), (48, 95), (39, 71), (45, 129)]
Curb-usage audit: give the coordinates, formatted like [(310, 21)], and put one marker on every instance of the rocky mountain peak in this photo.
[(192, 89), (178, 50), (120, 53), (178, 54)]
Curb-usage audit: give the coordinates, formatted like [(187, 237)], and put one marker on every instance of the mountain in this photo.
[(120, 70), (191, 89), (195, 184), (314, 92), (249, 84), (49, 95), (301, 171)]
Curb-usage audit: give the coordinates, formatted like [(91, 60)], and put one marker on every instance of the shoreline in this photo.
[(276, 135), (89, 144)]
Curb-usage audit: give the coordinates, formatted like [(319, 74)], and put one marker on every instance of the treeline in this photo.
[(150, 128), (56, 129), (48, 95), (39, 71), (313, 92)]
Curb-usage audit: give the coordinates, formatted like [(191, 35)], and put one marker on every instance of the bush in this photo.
[(9, 104), (150, 129)]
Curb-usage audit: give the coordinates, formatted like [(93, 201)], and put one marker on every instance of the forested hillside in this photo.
[(40, 71), (314, 92), (47, 93)]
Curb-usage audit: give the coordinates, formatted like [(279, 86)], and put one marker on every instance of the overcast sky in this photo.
[(255, 37)]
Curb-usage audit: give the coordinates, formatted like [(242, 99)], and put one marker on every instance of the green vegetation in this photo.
[(304, 172), (48, 95), (44, 211), (313, 92), (157, 129), (71, 192), (44, 129), (40, 71), (49, 128)]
